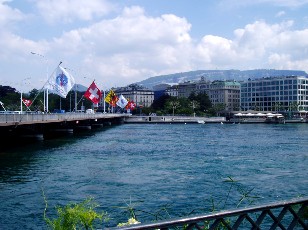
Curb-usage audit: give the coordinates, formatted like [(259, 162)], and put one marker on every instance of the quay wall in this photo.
[(173, 119)]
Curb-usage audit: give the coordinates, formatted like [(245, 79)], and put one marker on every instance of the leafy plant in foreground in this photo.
[(75, 216)]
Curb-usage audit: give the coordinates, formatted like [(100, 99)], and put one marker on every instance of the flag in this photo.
[(130, 105), (60, 82), (93, 93), (111, 98), (122, 102), (27, 102), (114, 100)]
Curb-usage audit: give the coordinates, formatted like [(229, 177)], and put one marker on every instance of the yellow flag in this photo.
[(110, 96)]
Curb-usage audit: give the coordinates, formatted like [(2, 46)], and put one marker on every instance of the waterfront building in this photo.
[(226, 93), (185, 89), (159, 90), (143, 97), (279, 94), (173, 91)]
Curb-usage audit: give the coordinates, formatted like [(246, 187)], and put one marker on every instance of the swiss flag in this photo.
[(131, 105), (93, 93), (27, 102)]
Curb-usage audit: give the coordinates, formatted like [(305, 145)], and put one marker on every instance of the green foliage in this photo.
[(172, 104), (160, 102), (75, 216), (132, 211), (5, 90)]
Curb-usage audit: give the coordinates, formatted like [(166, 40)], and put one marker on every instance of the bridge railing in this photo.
[(291, 214), (29, 117)]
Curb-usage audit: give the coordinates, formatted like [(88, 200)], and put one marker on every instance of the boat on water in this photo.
[(201, 122), (258, 118)]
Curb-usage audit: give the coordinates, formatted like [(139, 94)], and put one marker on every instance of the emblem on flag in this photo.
[(111, 98), (93, 93), (122, 102), (60, 82), (27, 102), (130, 105), (61, 79)]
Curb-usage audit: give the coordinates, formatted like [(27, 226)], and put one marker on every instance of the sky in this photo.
[(117, 43)]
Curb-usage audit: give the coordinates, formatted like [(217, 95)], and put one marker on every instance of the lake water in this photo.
[(151, 167)]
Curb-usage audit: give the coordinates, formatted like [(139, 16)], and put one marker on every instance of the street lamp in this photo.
[(75, 86), (21, 95), (45, 98)]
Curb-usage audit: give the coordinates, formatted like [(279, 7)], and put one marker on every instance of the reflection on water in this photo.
[(153, 166)]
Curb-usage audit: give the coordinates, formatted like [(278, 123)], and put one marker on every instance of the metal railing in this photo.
[(33, 118), (291, 214)]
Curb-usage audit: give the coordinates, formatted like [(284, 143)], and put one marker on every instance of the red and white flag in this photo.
[(27, 102), (130, 105), (93, 93)]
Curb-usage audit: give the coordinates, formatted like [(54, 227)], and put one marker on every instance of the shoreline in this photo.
[(195, 120)]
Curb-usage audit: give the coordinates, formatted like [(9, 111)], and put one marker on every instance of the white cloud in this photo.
[(8, 14), (257, 45), (280, 14), (134, 46), (131, 46), (66, 11), (286, 3), (281, 3)]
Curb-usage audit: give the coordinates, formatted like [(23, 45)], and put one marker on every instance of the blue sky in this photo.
[(125, 41)]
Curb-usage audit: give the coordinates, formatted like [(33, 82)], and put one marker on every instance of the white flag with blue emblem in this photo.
[(122, 102), (60, 82)]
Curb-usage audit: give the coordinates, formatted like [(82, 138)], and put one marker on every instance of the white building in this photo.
[(142, 96)]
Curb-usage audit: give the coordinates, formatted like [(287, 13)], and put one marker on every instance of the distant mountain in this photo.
[(80, 88), (237, 75)]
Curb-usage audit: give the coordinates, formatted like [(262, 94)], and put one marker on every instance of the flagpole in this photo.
[(104, 102), (45, 97), (75, 87), (21, 101), (21, 94)]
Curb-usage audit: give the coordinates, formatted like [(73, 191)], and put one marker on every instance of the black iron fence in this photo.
[(291, 214)]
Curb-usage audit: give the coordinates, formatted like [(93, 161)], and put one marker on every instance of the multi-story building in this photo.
[(159, 90), (140, 95), (225, 93), (275, 94), (186, 88), (173, 91)]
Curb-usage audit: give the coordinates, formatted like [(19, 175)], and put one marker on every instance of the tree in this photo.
[(217, 108), (5, 90), (195, 105), (173, 103), (204, 102), (277, 107), (160, 102), (293, 106)]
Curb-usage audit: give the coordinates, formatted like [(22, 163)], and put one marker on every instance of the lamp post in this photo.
[(103, 100), (21, 95), (45, 97), (75, 86)]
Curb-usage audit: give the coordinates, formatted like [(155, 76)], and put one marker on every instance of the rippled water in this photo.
[(152, 166)]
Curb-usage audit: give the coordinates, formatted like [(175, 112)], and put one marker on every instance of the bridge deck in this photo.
[(28, 119)]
